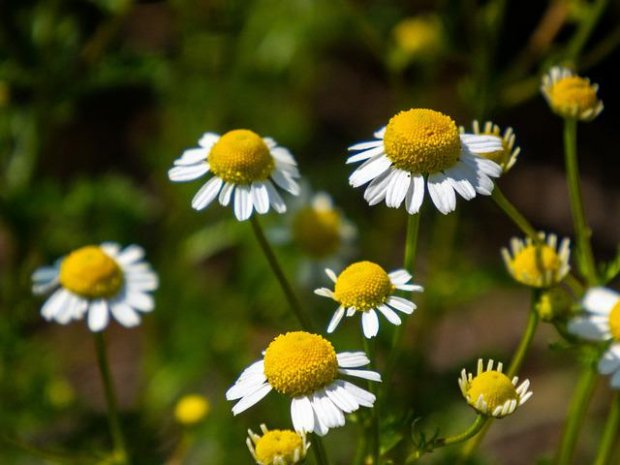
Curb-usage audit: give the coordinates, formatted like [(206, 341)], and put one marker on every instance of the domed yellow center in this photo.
[(422, 141), (278, 444), (573, 92), (317, 232), (363, 285), (495, 388), (531, 265), (91, 273), (614, 321), (241, 157), (298, 363)]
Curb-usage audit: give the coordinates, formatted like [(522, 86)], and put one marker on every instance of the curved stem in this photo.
[(319, 451), (470, 432), (294, 303), (514, 214), (118, 440), (610, 433), (576, 412), (582, 232)]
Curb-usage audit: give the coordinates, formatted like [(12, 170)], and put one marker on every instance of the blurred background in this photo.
[(98, 97)]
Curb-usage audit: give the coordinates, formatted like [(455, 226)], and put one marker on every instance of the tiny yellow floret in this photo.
[(317, 232), (614, 321), (191, 409), (298, 363), (532, 264), (241, 157), (277, 447), (90, 272), (363, 286), (495, 388), (422, 141)]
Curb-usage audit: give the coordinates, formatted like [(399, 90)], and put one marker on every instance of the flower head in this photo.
[(506, 157), (491, 392), (365, 287), (191, 409), (601, 323), (417, 38), (98, 280), (571, 96), (277, 447), (305, 367), (538, 265), (245, 168), (419, 148)]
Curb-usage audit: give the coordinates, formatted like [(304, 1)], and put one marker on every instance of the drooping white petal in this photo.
[(343, 400), (226, 193), (207, 193), (54, 304), (98, 315), (459, 176), (246, 386), (390, 314), (140, 300), (192, 157), (370, 323), (124, 314), (243, 203), (333, 324), (610, 361), (369, 170), (274, 198), (442, 193), (302, 414), (187, 173), (330, 415), (415, 195), (401, 304), (285, 182), (260, 197), (251, 399), (362, 396), (397, 189), (378, 187)]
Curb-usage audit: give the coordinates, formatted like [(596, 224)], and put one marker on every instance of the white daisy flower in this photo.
[(98, 280), (245, 168), (507, 156), (305, 367), (491, 392), (420, 149), (277, 447), (571, 96), (601, 323), (366, 287)]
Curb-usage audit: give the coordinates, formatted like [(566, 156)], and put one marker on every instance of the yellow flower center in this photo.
[(317, 232), (276, 444), (191, 409), (363, 285), (298, 363), (422, 141), (532, 263), (494, 387), (91, 273), (573, 92), (614, 321), (241, 157)]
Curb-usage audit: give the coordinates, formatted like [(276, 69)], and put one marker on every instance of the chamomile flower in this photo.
[(420, 149), (571, 96), (246, 168), (491, 392), (601, 323), (277, 447), (98, 280), (542, 265), (191, 409), (506, 157), (306, 368), (366, 287)]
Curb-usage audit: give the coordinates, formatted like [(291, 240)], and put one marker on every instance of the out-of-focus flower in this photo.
[(98, 280), (422, 148), (305, 367), (246, 168), (417, 38), (491, 392), (191, 409), (571, 96), (366, 287), (507, 156), (277, 447)]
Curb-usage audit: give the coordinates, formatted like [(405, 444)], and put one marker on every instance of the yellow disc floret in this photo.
[(495, 388), (533, 264), (317, 232), (573, 95), (241, 157), (614, 321), (298, 363), (191, 409), (363, 285), (422, 141), (278, 447), (90, 272)]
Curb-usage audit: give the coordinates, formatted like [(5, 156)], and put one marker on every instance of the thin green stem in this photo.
[(610, 433), (374, 431), (319, 451), (511, 211), (585, 29), (576, 413), (582, 232), (294, 303), (118, 440)]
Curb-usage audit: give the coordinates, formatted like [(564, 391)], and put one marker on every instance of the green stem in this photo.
[(118, 440), (585, 30), (374, 432), (294, 303), (514, 214), (610, 433), (576, 413), (319, 451), (582, 232), (470, 432)]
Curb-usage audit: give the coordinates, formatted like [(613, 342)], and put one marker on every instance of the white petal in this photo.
[(45, 274), (188, 173), (207, 193), (610, 361), (401, 304), (370, 323), (251, 399), (285, 182), (362, 396), (459, 176), (260, 197), (365, 145), (482, 143), (593, 328), (125, 315), (324, 292), (246, 386), (55, 303), (442, 193), (380, 132), (378, 188), (98, 315), (274, 198), (192, 157), (141, 281), (352, 359), (615, 380), (390, 314), (331, 275), (208, 139), (333, 324), (111, 248), (71, 309), (369, 170), (140, 301), (367, 154), (397, 189), (328, 414), (226, 193), (365, 374), (415, 195), (302, 414), (398, 277), (341, 398), (130, 255), (243, 203), (600, 300)]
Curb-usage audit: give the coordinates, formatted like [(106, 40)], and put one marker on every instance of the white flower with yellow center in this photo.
[(365, 287), (277, 447), (305, 367), (245, 168), (571, 96), (420, 149), (98, 280), (601, 323), (506, 157), (491, 392), (538, 265)]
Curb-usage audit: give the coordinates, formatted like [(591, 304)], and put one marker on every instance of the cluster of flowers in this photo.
[(419, 151)]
